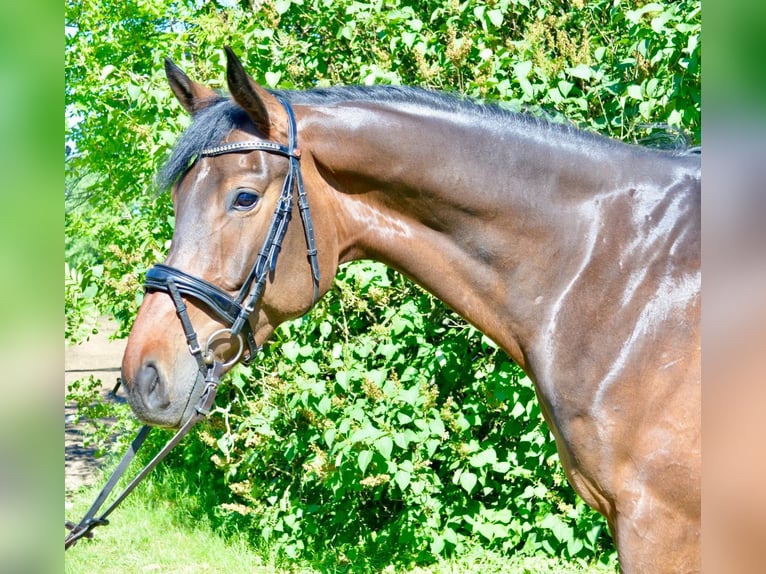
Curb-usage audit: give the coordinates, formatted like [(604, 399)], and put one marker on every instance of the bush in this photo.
[(381, 421)]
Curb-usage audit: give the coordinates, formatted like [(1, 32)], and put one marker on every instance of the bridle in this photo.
[(236, 311), (233, 311)]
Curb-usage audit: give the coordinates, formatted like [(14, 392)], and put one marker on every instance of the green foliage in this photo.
[(108, 425), (164, 531), (378, 421), (381, 418)]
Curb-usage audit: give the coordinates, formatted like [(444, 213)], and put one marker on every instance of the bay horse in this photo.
[(577, 254)]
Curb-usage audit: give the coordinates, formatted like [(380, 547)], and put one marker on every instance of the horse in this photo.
[(579, 255)]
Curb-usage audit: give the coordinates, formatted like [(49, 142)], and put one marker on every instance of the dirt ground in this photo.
[(101, 358)]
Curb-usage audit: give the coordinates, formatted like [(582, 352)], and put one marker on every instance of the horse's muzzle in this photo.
[(157, 401)]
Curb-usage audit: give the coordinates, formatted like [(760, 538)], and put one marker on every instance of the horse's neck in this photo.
[(493, 221)]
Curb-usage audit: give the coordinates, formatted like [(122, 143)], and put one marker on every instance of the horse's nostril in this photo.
[(147, 379), (149, 386)]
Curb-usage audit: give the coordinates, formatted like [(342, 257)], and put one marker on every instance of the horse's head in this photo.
[(222, 263)]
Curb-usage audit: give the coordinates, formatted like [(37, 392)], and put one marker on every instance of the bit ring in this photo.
[(209, 355)]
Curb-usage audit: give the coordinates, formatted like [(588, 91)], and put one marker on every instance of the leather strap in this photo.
[(183, 316), (90, 521)]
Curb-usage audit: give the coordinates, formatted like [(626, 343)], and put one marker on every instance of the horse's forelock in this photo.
[(209, 128)]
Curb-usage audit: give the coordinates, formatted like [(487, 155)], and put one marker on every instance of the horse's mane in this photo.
[(211, 125)]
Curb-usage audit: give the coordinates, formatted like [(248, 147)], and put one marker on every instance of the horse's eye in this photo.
[(245, 200)]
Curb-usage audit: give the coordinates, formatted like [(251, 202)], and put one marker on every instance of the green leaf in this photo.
[(483, 458), (310, 367), (324, 405), (651, 87), (385, 445), (403, 418), (437, 545), (519, 410), (402, 478), (282, 6), (341, 378), (581, 71), (106, 71), (408, 38), (634, 92), (431, 445), (410, 396), (450, 535), (364, 459), (496, 17), (133, 91), (675, 117), (635, 15), (347, 31), (329, 436), (658, 22), (272, 78), (468, 481), (504, 515), (367, 432), (574, 545), (561, 531), (224, 443), (527, 88), (646, 108), (492, 531), (521, 70), (401, 440), (565, 87), (291, 350), (437, 427), (416, 24)]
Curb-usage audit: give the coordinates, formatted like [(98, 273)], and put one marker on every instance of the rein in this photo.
[(90, 520), (232, 311)]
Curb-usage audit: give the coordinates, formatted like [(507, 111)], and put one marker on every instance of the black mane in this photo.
[(211, 125)]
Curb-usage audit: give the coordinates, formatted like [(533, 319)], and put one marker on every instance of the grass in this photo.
[(149, 538), (152, 534)]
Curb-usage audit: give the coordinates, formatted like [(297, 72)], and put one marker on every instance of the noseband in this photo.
[(235, 311)]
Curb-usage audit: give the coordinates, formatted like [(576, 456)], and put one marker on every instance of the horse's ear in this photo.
[(194, 97), (259, 104)]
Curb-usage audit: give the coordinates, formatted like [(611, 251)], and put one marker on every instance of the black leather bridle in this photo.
[(236, 311), (233, 311)]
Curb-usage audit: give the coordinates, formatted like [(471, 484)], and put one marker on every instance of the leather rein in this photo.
[(233, 311)]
